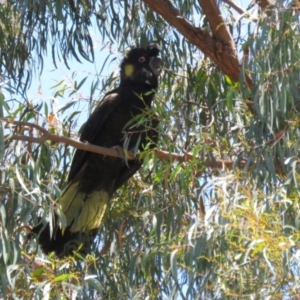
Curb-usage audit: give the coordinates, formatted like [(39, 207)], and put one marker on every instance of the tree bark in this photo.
[(220, 48)]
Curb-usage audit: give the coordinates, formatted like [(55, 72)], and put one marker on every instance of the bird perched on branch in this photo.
[(94, 178)]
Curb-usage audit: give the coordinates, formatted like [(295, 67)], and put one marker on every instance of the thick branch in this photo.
[(222, 53), (217, 23), (236, 7)]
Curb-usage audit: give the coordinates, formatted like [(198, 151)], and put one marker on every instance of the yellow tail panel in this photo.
[(87, 210)]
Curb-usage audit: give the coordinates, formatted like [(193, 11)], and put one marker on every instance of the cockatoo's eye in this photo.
[(142, 59)]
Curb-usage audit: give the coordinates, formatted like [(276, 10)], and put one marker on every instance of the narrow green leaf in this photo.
[(62, 277), (81, 83), (2, 142), (173, 263)]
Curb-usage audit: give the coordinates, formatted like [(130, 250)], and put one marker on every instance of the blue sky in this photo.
[(41, 87)]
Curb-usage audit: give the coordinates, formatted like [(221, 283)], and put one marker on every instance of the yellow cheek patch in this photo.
[(129, 70), (87, 211)]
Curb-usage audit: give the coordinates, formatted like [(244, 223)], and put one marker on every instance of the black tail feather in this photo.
[(62, 243)]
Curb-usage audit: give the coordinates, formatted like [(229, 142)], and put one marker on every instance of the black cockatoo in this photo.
[(94, 178)]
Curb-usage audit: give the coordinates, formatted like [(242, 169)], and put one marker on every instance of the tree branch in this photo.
[(47, 136), (217, 23), (113, 152), (221, 51), (236, 7), (208, 163)]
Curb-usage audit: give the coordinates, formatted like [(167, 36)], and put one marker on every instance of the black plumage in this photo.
[(93, 178)]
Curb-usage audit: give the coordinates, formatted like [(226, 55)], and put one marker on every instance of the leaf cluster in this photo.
[(176, 229)]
